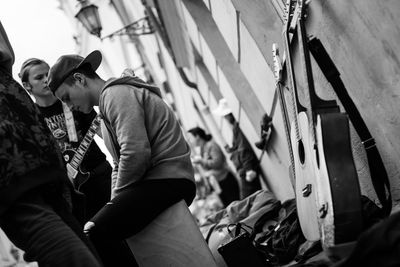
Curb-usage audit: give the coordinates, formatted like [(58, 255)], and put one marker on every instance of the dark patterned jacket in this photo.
[(29, 156)]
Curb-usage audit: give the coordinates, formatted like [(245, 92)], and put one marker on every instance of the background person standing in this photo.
[(242, 155), (213, 160)]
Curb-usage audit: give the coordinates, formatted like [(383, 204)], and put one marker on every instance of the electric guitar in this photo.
[(305, 176), (281, 95), (74, 158), (338, 194)]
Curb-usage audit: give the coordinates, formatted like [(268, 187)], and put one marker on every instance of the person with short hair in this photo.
[(152, 168)]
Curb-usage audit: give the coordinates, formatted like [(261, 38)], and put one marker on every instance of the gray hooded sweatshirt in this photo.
[(142, 134)]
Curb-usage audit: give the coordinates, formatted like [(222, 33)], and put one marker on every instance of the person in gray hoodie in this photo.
[(152, 168), (35, 193)]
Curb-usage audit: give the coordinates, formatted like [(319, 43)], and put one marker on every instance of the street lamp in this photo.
[(88, 15)]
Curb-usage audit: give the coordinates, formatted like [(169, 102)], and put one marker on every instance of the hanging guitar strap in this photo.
[(378, 172), (70, 123)]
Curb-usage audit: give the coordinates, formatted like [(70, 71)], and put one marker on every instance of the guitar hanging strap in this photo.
[(378, 172), (70, 123)]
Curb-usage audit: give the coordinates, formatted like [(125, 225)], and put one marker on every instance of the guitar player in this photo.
[(68, 128)]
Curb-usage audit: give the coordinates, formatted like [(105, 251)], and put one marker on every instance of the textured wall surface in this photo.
[(361, 36)]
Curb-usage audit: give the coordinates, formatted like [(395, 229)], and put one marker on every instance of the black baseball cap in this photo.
[(67, 64)]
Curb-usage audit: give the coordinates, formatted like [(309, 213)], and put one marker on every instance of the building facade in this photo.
[(202, 51)]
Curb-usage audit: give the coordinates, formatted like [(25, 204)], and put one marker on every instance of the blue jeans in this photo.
[(40, 224)]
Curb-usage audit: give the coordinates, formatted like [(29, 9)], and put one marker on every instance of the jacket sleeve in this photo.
[(6, 51), (123, 108), (114, 176)]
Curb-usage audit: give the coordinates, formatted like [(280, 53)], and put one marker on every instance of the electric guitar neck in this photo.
[(281, 95), (73, 158)]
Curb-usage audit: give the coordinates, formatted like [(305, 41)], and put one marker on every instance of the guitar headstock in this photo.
[(302, 10), (94, 126), (97, 120), (288, 13), (277, 63)]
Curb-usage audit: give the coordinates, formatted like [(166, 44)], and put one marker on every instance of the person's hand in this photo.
[(128, 72), (197, 159), (89, 225), (250, 175), (228, 148)]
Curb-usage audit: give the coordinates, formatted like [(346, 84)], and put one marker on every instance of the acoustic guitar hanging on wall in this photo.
[(305, 176), (338, 192)]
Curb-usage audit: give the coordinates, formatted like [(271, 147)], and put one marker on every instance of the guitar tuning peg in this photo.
[(323, 211)]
